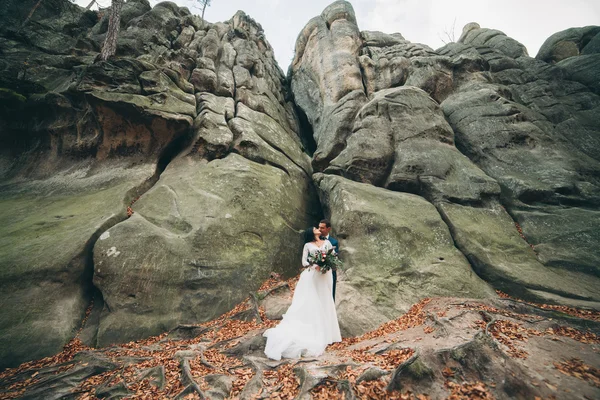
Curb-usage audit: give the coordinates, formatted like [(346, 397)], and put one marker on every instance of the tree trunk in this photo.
[(35, 8), (110, 43), (204, 8), (90, 5)]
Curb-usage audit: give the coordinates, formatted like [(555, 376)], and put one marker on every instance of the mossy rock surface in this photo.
[(47, 229)]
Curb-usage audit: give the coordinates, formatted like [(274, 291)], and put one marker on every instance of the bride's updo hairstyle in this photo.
[(309, 235)]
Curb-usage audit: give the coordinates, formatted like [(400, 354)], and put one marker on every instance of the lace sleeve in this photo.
[(305, 256)]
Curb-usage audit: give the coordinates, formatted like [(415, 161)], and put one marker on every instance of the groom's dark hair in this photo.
[(326, 222)]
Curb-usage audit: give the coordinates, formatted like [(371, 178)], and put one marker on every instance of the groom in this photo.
[(325, 228)]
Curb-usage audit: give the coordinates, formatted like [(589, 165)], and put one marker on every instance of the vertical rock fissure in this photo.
[(88, 329), (474, 267), (306, 133), (518, 227), (363, 78)]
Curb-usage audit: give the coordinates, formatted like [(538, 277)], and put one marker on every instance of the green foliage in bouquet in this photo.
[(326, 260)]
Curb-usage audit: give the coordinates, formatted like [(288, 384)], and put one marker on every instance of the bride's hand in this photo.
[(318, 268)]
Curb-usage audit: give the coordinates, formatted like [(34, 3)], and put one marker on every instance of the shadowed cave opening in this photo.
[(306, 131), (172, 150)]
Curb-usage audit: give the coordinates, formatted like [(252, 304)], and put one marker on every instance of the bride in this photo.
[(310, 323)]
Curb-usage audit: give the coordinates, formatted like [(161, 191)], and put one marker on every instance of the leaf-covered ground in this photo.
[(441, 348)]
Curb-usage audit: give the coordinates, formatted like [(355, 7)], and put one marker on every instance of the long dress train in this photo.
[(310, 323)]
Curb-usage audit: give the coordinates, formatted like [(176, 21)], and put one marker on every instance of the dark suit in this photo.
[(336, 246)]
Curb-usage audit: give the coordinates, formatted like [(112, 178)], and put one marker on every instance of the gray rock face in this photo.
[(575, 51), (583, 69), (201, 239), (79, 142), (485, 133), (329, 89), (402, 141), (227, 211), (82, 140), (593, 46), (568, 43), (539, 134), (46, 243), (396, 249), (475, 36)]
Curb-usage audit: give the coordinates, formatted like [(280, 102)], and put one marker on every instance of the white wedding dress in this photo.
[(310, 323)]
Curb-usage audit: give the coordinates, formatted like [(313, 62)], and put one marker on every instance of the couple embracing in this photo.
[(310, 324)]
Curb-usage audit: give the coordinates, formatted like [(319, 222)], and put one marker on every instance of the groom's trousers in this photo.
[(334, 274)]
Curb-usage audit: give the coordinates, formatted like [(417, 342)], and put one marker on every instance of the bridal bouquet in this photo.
[(326, 260)]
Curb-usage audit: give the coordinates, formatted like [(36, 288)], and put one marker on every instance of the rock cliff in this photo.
[(503, 146), (166, 184), (196, 117)]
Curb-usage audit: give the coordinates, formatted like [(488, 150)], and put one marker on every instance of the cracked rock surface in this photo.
[(504, 146), (167, 183), (191, 121)]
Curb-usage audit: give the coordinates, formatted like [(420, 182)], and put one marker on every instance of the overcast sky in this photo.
[(422, 21)]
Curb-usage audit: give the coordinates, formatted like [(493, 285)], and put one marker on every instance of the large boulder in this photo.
[(503, 145), (326, 78), (203, 238), (48, 228), (545, 170), (402, 141), (476, 36), (396, 250), (58, 197), (568, 43), (227, 210), (575, 51), (73, 158), (82, 140)]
